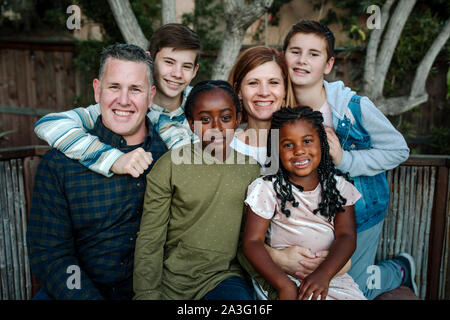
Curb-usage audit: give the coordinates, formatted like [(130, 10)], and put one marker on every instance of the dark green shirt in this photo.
[(190, 226)]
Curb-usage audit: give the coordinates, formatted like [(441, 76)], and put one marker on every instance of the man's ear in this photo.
[(96, 84), (151, 96), (329, 66), (148, 53)]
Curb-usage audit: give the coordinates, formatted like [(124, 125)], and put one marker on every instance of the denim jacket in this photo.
[(371, 146)]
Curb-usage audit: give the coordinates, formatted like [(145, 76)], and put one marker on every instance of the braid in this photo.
[(332, 201)]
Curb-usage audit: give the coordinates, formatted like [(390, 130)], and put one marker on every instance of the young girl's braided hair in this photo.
[(332, 201)]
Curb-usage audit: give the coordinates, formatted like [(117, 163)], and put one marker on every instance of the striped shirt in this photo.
[(84, 224), (67, 132)]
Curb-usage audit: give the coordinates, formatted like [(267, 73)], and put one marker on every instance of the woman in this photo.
[(261, 80)]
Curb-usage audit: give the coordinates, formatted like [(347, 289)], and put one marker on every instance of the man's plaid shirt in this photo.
[(83, 219)]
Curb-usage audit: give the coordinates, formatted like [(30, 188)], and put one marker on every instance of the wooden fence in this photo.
[(418, 221), (36, 78)]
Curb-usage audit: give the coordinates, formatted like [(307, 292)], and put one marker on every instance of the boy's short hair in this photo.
[(126, 52), (174, 35), (317, 28)]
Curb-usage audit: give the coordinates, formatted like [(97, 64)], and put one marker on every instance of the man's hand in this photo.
[(296, 261), (335, 145), (133, 163)]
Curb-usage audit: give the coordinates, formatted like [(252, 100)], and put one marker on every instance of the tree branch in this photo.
[(127, 23), (238, 20), (420, 78), (169, 11), (390, 40), (397, 105), (372, 48)]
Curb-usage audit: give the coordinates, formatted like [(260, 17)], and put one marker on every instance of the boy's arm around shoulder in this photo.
[(388, 149), (67, 132), (150, 243)]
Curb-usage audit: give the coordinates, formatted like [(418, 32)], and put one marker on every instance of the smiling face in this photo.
[(216, 112), (306, 58), (262, 91), (124, 97), (173, 71), (300, 153)]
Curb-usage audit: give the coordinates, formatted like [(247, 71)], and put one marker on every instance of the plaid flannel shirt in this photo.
[(81, 220)]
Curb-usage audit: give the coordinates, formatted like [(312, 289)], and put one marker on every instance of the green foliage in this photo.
[(419, 32), (440, 139)]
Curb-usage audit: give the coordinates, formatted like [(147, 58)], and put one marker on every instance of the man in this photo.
[(175, 49), (83, 226)]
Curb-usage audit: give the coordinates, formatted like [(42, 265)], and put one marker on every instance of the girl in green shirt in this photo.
[(186, 247)]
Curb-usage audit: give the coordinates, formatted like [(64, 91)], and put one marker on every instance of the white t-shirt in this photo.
[(257, 153), (326, 113)]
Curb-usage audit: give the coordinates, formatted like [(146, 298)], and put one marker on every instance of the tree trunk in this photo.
[(169, 12), (390, 40), (372, 48), (238, 18), (127, 23)]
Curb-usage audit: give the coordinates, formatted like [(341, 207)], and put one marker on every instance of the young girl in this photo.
[(363, 143), (306, 203), (191, 221)]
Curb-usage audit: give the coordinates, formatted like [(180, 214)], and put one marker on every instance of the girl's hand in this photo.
[(316, 284), (335, 145), (288, 292)]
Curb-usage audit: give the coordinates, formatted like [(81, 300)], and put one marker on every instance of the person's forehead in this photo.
[(125, 69), (307, 40), (214, 100), (182, 55)]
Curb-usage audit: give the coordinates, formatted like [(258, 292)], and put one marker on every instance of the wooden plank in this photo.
[(20, 75), (7, 233), (59, 78), (18, 228), (3, 77), (3, 240), (438, 227), (11, 79), (12, 228), (24, 220), (29, 111)]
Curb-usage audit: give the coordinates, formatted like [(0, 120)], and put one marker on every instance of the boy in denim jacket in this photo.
[(362, 143)]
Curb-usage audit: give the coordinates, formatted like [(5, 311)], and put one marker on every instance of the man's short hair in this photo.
[(174, 35), (126, 52)]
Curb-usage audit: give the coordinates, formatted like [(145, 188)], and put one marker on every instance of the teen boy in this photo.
[(175, 50)]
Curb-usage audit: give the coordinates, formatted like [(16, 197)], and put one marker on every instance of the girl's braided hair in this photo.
[(332, 201)]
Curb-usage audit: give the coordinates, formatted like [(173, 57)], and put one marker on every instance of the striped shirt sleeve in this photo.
[(67, 132)]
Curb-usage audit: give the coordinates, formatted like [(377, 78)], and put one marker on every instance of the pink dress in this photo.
[(303, 227)]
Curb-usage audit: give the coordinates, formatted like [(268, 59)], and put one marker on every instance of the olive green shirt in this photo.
[(190, 224)]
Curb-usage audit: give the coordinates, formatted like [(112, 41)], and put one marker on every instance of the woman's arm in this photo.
[(253, 247), (339, 253)]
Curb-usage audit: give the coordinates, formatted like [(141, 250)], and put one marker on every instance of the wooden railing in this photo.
[(417, 222)]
